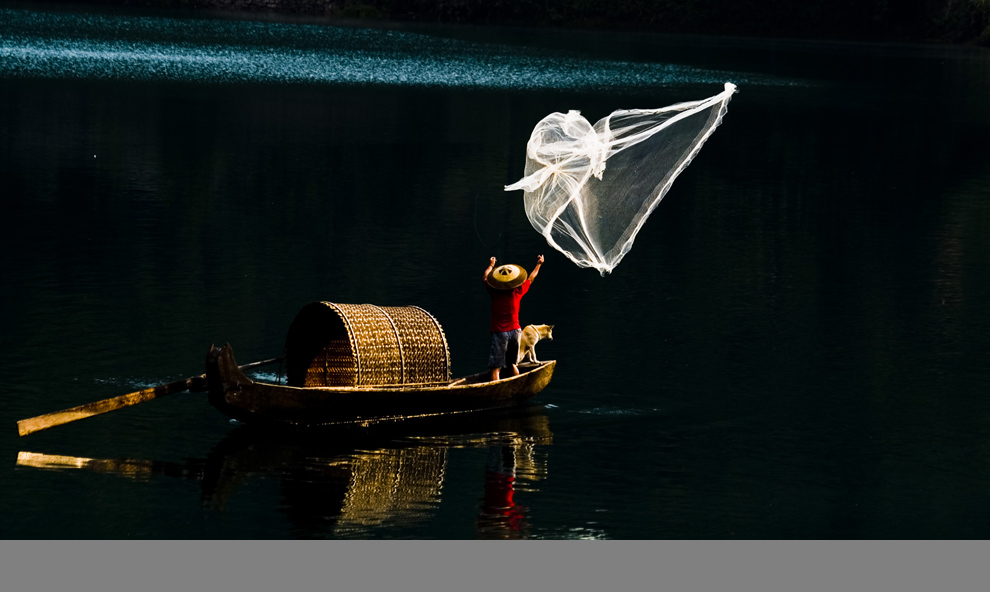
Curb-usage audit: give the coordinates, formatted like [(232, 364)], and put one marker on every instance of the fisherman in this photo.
[(506, 286)]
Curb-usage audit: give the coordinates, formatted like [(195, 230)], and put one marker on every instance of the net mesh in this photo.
[(589, 189)]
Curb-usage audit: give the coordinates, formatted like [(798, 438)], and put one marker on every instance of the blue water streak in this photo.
[(108, 47)]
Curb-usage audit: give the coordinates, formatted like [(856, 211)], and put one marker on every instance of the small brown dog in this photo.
[(531, 335)]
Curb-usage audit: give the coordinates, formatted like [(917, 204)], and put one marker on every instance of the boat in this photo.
[(345, 363), (363, 364)]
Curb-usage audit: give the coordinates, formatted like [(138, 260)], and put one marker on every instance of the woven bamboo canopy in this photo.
[(332, 344)]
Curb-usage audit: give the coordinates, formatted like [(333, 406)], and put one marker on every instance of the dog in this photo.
[(531, 334)]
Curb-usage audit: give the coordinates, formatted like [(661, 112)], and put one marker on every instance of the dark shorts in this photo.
[(505, 349)]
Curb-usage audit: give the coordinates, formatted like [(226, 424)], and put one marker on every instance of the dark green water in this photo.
[(795, 347)]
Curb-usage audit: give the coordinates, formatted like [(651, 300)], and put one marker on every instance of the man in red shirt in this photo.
[(506, 286)]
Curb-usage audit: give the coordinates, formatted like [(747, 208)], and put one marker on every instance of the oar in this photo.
[(49, 420)]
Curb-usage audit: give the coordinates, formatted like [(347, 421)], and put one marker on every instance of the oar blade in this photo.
[(49, 420)]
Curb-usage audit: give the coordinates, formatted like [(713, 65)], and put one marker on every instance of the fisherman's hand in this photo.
[(492, 261), (539, 260)]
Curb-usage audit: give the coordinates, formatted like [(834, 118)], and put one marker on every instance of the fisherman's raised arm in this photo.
[(536, 270), (491, 264)]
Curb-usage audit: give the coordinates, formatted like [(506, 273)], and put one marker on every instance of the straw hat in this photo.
[(507, 277)]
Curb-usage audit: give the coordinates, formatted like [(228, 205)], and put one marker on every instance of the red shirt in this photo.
[(505, 307)]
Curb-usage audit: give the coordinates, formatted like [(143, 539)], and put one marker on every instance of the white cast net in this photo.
[(589, 189)]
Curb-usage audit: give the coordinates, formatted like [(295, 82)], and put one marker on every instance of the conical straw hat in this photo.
[(507, 277)]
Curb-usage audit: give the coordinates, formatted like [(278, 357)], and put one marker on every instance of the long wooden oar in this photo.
[(49, 420)]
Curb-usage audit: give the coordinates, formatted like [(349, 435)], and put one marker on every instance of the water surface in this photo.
[(794, 348)]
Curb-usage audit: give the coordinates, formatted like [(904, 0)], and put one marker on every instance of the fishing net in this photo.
[(589, 189)]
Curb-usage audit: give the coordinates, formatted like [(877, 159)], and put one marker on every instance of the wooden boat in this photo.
[(345, 363), (363, 364), (247, 400)]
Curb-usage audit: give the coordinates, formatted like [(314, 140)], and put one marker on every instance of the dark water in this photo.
[(795, 347)]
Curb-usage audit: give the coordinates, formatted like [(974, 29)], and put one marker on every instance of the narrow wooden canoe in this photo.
[(246, 400)]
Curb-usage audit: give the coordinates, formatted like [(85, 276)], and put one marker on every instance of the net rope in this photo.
[(589, 189)]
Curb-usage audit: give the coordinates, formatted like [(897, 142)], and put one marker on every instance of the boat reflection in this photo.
[(361, 482)]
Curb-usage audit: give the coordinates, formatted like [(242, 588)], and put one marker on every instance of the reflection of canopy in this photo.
[(388, 483), (592, 212), (332, 344)]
